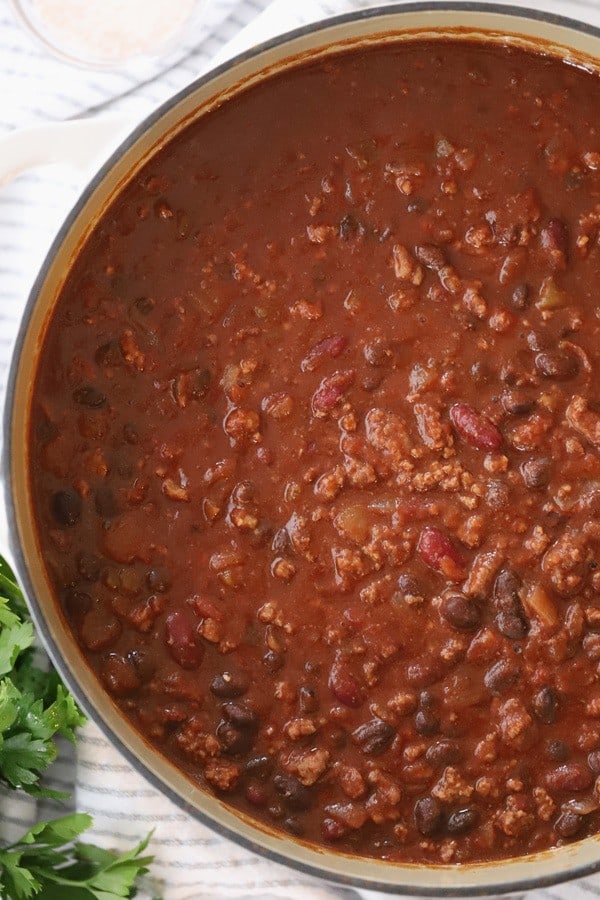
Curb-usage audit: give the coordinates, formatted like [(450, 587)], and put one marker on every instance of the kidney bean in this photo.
[(568, 825), (181, 638), (545, 705), (88, 395), (536, 473), (569, 777), (462, 821), (429, 817), (460, 612), (331, 390), (439, 553), (329, 348), (344, 685), (475, 429), (229, 685), (66, 507), (500, 677), (294, 793), (593, 761), (554, 241), (443, 753), (377, 352), (373, 737), (557, 364)]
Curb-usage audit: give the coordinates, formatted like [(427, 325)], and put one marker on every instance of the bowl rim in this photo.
[(22, 565)]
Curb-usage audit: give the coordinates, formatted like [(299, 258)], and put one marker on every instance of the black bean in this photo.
[(426, 722), (77, 603), (66, 507), (158, 580), (443, 753), (144, 662), (131, 434), (516, 403), (294, 793), (536, 472), (460, 612), (429, 818), (557, 364), (511, 619), (520, 296), (462, 821), (88, 566), (234, 740), (545, 705), (307, 700), (144, 305), (273, 661), (294, 825), (229, 685), (88, 395), (373, 737), (351, 227), (497, 494), (500, 677), (557, 751), (259, 766), (240, 715), (426, 700), (408, 584), (431, 256), (378, 352), (281, 541), (109, 355), (568, 824), (105, 502), (594, 761), (512, 626)]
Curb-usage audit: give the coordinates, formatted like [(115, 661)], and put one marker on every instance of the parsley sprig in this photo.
[(49, 861)]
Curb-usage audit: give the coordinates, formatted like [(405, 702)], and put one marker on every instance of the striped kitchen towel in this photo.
[(192, 862)]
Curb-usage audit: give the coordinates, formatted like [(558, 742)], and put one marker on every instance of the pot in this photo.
[(482, 22)]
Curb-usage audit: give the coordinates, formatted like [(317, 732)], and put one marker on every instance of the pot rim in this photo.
[(23, 566)]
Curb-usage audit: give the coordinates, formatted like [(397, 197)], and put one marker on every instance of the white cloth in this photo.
[(192, 862)]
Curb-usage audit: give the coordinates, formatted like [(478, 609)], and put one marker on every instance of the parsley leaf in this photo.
[(34, 705), (50, 862)]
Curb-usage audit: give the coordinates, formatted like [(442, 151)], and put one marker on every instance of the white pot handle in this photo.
[(79, 143)]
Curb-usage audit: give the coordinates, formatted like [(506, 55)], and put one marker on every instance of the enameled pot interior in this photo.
[(471, 21)]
